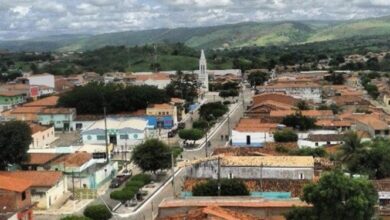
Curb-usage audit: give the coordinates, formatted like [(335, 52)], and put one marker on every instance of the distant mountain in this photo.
[(222, 36)]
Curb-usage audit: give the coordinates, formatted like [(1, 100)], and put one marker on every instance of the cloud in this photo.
[(34, 18)]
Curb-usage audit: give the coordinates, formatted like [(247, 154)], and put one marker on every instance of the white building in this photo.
[(122, 132), (42, 136), (251, 132), (42, 80), (319, 138)]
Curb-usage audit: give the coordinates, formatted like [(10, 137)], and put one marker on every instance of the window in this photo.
[(100, 137), (135, 136), (377, 132), (89, 137), (124, 136), (231, 175), (301, 176), (316, 144), (23, 195), (386, 132), (328, 142)]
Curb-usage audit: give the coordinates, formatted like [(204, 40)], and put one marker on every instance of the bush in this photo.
[(229, 187), (286, 135), (135, 184), (97, 212), (75, 217), (191, 134), (145, 178), (122, 195)]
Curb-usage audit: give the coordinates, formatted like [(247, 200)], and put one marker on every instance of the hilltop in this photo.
[(222, 36)]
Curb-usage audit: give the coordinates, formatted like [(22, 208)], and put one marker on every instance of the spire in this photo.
[(202, 56)]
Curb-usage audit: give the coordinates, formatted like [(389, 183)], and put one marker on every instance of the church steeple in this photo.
[(203, 76)]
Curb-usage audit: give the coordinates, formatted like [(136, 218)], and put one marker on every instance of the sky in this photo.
[(23, 19)]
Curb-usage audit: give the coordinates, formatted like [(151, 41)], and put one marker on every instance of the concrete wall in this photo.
[(257, 138), (44, 80), (133, 139), (57, 120), (312, 144), (209, 169)]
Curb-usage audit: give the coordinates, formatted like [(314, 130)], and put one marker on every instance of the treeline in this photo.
[(91, 99)]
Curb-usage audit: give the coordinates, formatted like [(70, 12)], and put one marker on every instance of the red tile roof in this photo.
[(74, 160), (276, 97), (14, 184), (37, 178), (45, 102), (40, 158), (57, 111)]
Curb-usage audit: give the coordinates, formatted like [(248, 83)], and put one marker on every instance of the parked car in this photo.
[(119, 180), (181, 125)]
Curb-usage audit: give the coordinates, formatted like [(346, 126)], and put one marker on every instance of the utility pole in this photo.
[(228, 124), (155, 58), (206, 145), (173, 174), (105, 133), (219, 176)]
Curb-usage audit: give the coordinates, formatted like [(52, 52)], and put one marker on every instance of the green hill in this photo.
[(222, 36)]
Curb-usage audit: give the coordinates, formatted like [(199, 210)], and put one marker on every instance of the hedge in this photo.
[(131, 188), (97, 212)]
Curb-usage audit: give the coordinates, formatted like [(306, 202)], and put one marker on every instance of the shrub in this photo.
[(226, 102), (299, 121), (135, 183), (145, 178), (97, 212), (229, 187), (191, 134), (122, 195), (286, 135)]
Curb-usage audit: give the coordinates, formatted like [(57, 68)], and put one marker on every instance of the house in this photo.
[(47, 187), (321, 140), (161, 110), (383, 188), (10, 99), (40, 161), (47, 102), (180, 106), (308, 91), (334, 124), (82, 171), (160, 80), (374, 124), (251, 132), (15, 198), (123, 132), (253, 167), (264, 103), (42, 136), (60, 118), (23, 113), (350, 102), (226, 208)]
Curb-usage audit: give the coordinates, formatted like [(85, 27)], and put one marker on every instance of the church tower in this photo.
[(203, 77)]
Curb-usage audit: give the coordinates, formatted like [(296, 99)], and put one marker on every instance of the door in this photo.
[(248, 140), (113, 139)]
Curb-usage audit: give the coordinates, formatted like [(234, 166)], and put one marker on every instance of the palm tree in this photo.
[(351, 147)]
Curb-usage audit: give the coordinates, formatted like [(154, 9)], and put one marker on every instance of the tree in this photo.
[(97, 212), (352, 145), (302, 105), (91, 98), (34, 68), (152, 155), (229, 187), (299, 121), (286, 135), (228, 93), (339, 197), (335, 108), (213, 110), (15, 138), (184, 86), (257, 78), (201, 124), (191, 134), (335, 78), (370, 158)]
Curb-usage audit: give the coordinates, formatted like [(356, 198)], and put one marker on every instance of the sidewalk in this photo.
[(211, 132)]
